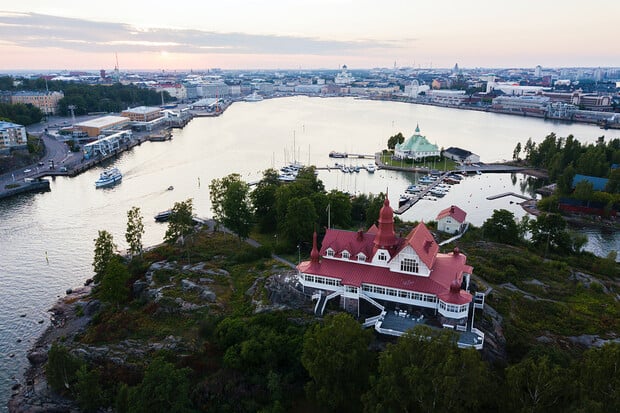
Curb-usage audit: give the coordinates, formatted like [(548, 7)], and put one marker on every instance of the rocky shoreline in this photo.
[(69, 316)]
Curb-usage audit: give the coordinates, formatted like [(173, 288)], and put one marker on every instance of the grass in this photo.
[(442, 165)]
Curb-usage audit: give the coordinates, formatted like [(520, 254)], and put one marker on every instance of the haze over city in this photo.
[(47, 36)]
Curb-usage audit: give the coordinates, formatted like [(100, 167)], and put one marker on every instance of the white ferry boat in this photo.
[(108, 177), (254, 97)]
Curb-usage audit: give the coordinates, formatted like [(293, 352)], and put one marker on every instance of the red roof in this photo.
[(453, 211), (448, 267), (446, 270), (423, 242)]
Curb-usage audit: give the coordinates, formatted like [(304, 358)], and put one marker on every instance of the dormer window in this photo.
[(382, 256), (345, 255), (329, 252), (409, 265), (361, 257)]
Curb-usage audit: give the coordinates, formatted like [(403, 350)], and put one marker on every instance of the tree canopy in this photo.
[(231, 203), (135, 230), (180, 223), (104, 252)]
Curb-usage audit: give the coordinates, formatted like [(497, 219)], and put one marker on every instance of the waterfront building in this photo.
[(414, 89), (535, 105), (142, 113), (461, 155), (98, 126), (417, 147), (451, 220), (46, 101), (448, 97), (12, 135), (513, 89), (406, 279)]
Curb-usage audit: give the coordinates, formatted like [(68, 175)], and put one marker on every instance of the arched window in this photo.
[(409, 265)]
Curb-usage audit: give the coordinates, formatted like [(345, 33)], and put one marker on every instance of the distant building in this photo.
[(46, 101), (417, 147), (448, 97), (95, 127), (12, 135), (522, 104), (344, 77), (461, 155), (175, 90), (538, 71), (451, 220), (142, 113)]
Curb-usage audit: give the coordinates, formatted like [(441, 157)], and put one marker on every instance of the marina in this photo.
[(213, 147)]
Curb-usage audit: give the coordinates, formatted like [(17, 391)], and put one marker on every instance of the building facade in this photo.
[(397, 275), (12, 135), (417, 147), (46, 101), (142, 113), (451, 220)]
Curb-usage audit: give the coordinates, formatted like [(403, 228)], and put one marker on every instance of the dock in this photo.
[(492, 197), (414, 199)]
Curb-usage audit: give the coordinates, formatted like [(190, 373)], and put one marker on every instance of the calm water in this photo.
[(248, 138)]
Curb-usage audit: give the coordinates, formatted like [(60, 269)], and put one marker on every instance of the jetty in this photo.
[(492, 197), (415, 198)]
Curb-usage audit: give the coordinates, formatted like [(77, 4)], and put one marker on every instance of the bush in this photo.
[(61, 369)]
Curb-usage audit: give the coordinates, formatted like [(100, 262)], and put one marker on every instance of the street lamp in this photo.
[(298, 253)]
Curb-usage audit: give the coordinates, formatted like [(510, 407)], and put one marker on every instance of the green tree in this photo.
[(237, 209), (537, 385), (113, 287), (583, 191), (164, 389), (339, 209), (104, 251), (565, 180), (549, 232), (135, 229), (375, 203), (516, 152), (263, 199), (61, 369), (502, 227), (331, 352), (393, 140), (300, 220), (217, 194), (426, 372), (180, 223), (88, 388), (231, 203), (613, 185), (600, 379)]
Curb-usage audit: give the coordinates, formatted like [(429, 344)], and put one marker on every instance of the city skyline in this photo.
[(49, 36)]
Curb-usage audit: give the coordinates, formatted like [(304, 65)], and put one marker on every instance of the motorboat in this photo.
[(403, 200), (412, 189), (371, 168), (109, 177), (163, 216)]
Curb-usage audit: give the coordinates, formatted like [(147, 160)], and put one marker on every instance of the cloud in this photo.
[(32, 30)]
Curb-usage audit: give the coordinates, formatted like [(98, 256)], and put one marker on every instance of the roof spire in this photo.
[(314, 254), (417, 128)]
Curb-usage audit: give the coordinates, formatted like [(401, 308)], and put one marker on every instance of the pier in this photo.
[(414, 199), (492, 197)]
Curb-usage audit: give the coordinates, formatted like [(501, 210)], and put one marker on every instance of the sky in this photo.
[(51, 35)]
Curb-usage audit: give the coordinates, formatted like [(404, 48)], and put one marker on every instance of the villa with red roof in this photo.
[(451, 220), (407, 280)]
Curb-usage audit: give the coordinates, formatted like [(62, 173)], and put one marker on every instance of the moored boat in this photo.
[(163, 216), (108, 177)]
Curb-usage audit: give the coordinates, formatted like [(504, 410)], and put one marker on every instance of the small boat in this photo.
[(170, 188), (411, 189), (334, 154), (163, 216), (403, 200), (371, 168), (108, 177)]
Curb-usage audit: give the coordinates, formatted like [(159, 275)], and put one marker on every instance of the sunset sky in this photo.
[(234, 34)]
